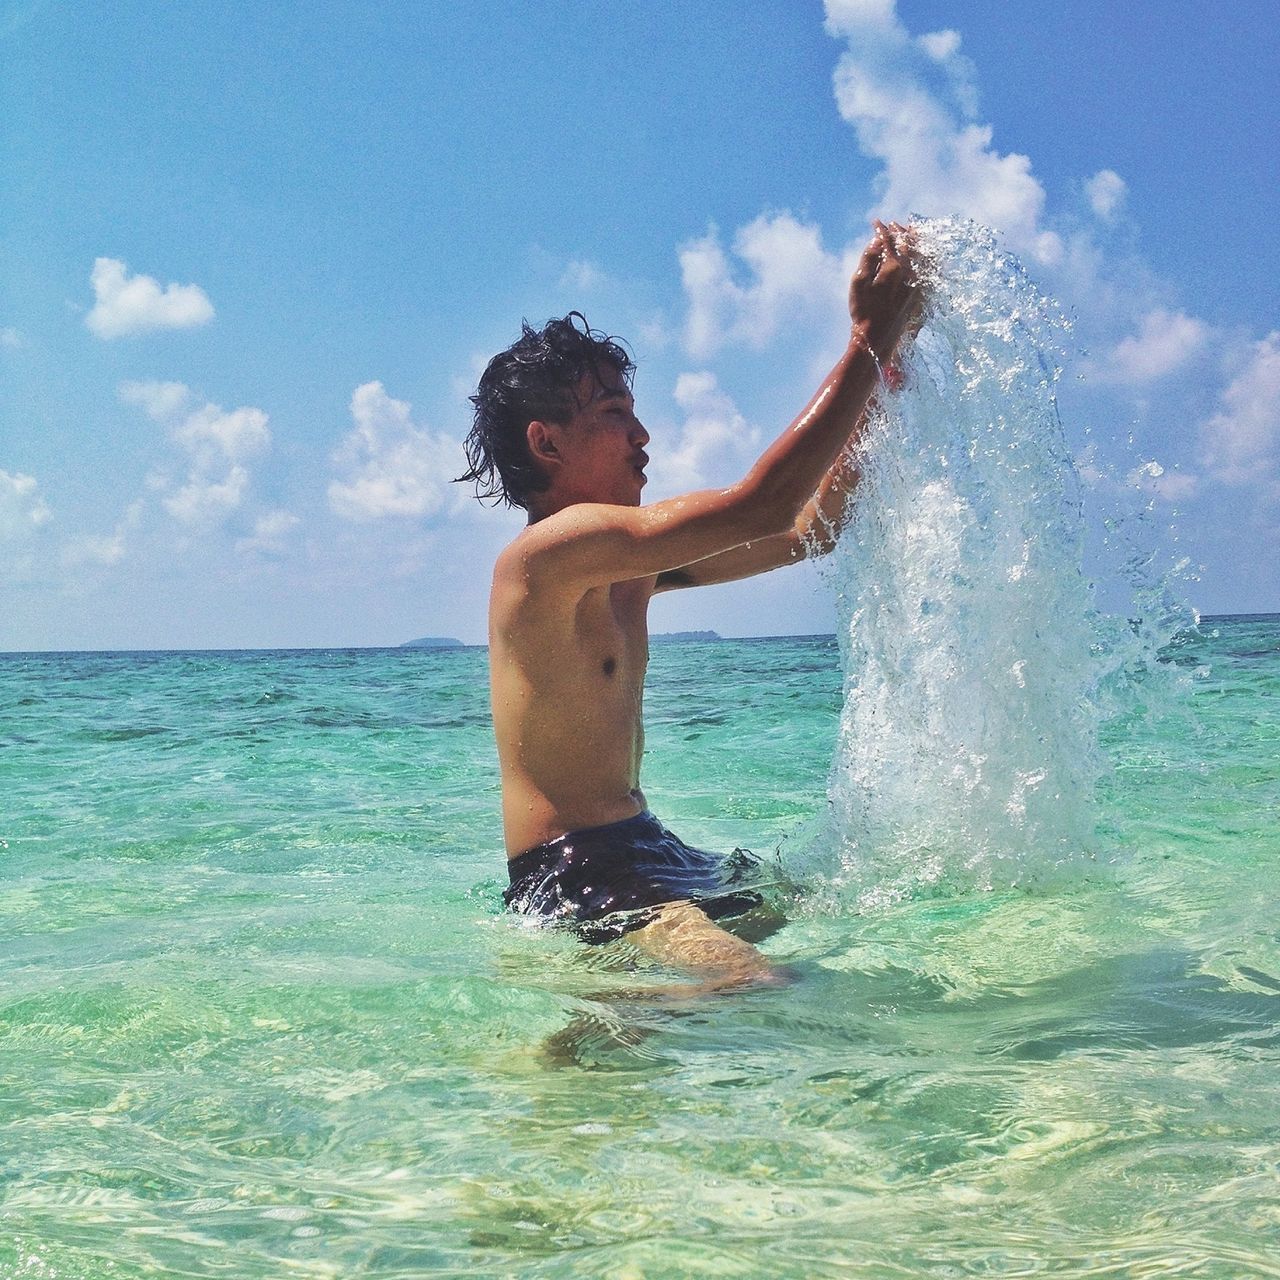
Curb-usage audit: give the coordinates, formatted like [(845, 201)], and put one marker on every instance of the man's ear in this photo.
[(542, 445)]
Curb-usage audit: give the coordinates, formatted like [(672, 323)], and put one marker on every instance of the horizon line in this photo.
[(391, 648), (379, 648)]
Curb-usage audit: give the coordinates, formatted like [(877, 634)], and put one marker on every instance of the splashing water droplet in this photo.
[(967, 754)]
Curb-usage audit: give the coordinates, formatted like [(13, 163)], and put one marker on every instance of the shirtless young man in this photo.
[(556, 433)]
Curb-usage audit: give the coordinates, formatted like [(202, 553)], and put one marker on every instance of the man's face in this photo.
[(603, 443)]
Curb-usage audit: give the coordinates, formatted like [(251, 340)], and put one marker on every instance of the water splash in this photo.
[(972, 656)]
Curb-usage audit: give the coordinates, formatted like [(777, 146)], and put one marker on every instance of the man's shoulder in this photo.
[(525, 572), (529, 545), (541, 540), (520, 574)]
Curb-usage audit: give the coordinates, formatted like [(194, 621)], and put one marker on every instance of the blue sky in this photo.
[(253, 257)]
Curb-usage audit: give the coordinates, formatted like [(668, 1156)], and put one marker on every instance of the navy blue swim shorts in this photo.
[(609, 880)]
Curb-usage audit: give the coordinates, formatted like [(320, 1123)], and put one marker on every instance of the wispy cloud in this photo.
[(214, 433), (391, 466), (126, 304), (789, 273), (10, 337), (582, 276), (1165, 341), (22, 509), (1241, 441), (208, 432), (715, 442), (104, 549), (217, 442), (203, 502), (270, 534), (936, 158), (161, 401), (1106, 192), (23, 515)]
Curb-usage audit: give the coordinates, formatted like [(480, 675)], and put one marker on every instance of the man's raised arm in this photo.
[(591, 544)]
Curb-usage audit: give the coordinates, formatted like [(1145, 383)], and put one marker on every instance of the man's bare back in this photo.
[(568, 631)]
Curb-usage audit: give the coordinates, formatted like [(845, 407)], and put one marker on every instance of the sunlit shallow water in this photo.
[(260, 1014)]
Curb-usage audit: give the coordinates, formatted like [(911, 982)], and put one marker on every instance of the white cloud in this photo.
[(127, 304), (1090, 468), (270, 533), (911, 101), (159, 400), (209, 433), (1148, 477), (581, 276), (1241, 441), (23, 515), (394, 467), (940, 45), (936, 162), (204, 501), (655, 332), (22, 509), (218, 442), (233, 435), (100, 549), (1106, 191), (943, 47), (855, 17), (10, 337), (104, 549), (715, 444), (790, 272), (1165, 341)]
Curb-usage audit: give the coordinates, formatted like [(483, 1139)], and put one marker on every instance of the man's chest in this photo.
[(611, 630)]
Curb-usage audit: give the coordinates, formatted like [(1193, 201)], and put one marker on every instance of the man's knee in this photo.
[(683, 935)]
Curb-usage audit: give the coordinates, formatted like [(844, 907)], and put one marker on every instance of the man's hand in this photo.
[(885, 295)]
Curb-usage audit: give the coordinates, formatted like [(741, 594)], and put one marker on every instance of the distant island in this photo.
[(662, 637), (678, 637), (665, 637), (434, 642)]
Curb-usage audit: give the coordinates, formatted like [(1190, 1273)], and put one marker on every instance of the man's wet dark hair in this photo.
[(534, 379)]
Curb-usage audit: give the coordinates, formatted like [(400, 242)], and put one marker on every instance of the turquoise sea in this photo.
[(261, 1014)]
